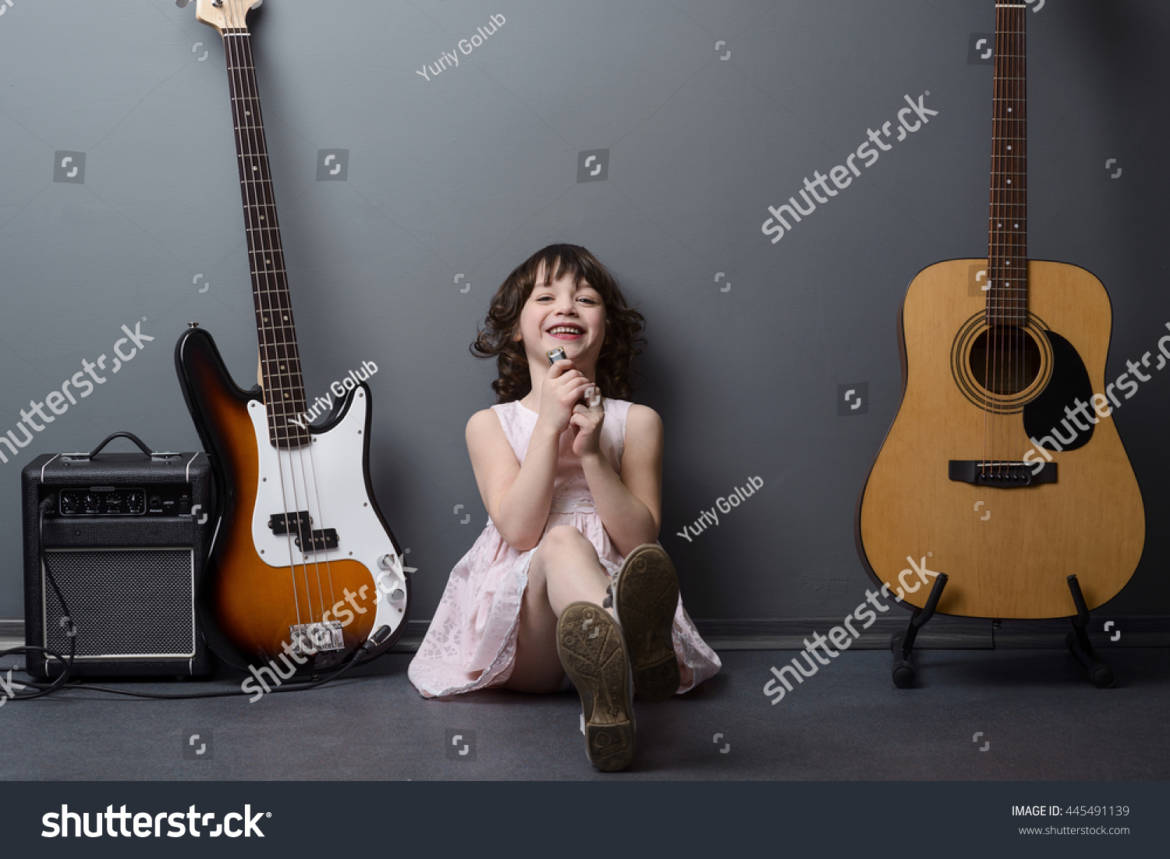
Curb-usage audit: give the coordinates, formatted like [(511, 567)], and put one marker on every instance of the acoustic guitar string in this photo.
[(1007, 318), (1016, 359), (1010, 330), (1020, 278), (992, 262)]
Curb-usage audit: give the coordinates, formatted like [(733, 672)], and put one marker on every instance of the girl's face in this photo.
[(566, 314)]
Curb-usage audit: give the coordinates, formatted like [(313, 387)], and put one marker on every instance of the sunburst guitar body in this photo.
[(333, 581), (303, 567)]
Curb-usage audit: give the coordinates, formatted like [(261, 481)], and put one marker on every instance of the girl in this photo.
[(568, 576)]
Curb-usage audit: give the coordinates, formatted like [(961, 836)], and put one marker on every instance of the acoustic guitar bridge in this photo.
[(999, 474)]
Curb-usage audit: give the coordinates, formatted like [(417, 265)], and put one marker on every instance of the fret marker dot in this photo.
[(1015, 226), (1009, 181), (1009, 147)]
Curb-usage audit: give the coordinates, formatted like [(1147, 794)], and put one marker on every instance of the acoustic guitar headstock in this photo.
[(224, 15)]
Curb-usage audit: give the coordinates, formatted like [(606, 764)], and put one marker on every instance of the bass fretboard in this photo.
[(280, 365)]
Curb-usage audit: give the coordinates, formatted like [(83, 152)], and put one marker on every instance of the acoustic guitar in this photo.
[(302, 562), (983, 474)]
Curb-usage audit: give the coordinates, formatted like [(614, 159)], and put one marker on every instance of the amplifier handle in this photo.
[(123, 434)]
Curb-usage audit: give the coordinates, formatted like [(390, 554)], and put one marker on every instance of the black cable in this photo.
[(61, 681)]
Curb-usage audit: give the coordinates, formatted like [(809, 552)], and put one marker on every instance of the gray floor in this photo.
[(986, 714)]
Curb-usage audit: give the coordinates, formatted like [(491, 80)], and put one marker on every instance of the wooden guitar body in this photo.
[(260, 582), (1006, 547)]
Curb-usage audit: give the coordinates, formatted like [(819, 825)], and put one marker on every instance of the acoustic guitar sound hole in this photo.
[(1004, 359)]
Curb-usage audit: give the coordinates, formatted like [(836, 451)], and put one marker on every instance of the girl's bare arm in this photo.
[(630, 505), (517, 496)]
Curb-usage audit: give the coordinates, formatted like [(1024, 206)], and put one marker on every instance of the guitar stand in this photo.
[(903, 643), (1100, 674)]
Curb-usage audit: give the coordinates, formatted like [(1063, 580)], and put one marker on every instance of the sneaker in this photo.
[(593, 654), (645, 596)]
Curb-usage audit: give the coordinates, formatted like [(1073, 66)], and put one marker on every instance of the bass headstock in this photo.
[(224, 15)]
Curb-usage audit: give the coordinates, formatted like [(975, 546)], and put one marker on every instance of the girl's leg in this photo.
[(564, 569)]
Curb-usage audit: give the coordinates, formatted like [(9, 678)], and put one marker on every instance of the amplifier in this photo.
[(125, 536)]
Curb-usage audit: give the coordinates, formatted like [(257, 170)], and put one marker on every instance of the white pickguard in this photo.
[(326, 479)]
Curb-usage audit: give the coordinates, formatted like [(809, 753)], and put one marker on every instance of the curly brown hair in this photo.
[(623, 325)]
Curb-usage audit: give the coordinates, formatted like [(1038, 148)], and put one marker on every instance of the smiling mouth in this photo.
[(566, 332)]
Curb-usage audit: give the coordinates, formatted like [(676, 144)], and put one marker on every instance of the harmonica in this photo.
[(592, 396)]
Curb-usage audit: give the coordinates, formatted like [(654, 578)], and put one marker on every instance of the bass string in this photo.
[(293, 360), (246, 120)]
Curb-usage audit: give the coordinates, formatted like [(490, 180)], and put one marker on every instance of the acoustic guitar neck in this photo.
[(1007, 247)]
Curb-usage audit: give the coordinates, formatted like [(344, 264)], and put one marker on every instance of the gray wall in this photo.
[(468, 173)]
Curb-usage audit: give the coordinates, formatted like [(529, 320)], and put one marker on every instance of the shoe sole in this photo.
[(593, 654), (647, 596)]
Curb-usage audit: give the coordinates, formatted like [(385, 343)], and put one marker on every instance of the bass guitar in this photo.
[(302, 562)]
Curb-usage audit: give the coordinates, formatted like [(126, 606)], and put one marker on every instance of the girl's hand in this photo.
[(587, 420), (563, 386)]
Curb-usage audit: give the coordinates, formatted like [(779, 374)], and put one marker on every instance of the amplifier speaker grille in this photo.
[(124, 602)]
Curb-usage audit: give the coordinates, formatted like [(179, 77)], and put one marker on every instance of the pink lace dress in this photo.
[(471, 642)]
